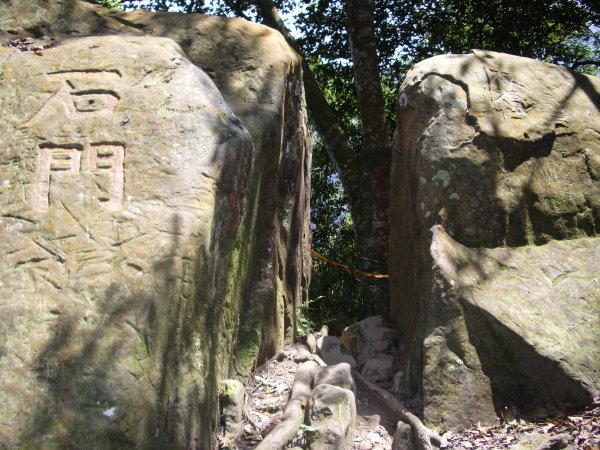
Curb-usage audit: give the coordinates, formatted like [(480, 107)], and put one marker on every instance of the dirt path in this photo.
[(268, 393), (374, 424)]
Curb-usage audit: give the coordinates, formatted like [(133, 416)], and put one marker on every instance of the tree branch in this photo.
[(577, 64), (365, 179), (237, 9), (272, 18)]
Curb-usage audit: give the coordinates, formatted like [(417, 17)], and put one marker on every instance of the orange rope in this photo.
[(346, 268)]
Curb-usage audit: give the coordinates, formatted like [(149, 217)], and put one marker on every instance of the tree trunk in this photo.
[(370, 213), (365, 180)]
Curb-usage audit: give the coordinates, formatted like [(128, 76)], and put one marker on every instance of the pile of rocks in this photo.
[(375, 349), (368, 346)]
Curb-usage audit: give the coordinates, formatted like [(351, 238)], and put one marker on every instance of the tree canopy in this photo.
[(356, 53)]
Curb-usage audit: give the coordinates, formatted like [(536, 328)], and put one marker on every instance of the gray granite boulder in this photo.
[(368, 339), (337, 375), (330, 350)]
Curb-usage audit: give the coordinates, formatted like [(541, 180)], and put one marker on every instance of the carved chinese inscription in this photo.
[(57, 162), (108, 159), (83, 95), (507, 96), (58, 159)]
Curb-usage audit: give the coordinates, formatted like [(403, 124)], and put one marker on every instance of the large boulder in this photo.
[(105, 221), (259, 76), (495, 158), (531, 314), (153, 198)]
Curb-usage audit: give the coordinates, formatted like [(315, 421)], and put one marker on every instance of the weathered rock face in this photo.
[(232, 400), (259, 76), (532, 315), (494, 150), (147, 210)]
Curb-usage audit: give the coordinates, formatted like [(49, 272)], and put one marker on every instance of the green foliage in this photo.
[(336, 80), (556, 31), (304, 432), (304, 324), (111, 4), (336, 293)]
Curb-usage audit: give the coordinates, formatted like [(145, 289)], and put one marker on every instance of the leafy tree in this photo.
[(556, 31), (335, 295)]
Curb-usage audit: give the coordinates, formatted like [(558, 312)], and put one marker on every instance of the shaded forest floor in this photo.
[(268, 391), (269, 388)]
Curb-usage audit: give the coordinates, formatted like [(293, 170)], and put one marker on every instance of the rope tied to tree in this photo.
[(346, 268)]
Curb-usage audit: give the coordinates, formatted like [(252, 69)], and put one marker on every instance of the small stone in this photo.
[(366, 445), (338, 375), (330, 351)]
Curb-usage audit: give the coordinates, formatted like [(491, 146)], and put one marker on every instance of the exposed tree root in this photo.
[(293, 414), (425, 439), (303, 354)]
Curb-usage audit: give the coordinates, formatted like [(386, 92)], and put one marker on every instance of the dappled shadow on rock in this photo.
[(520, 376), (127, 348), (122, 248), (127, 373), (494, 150)]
